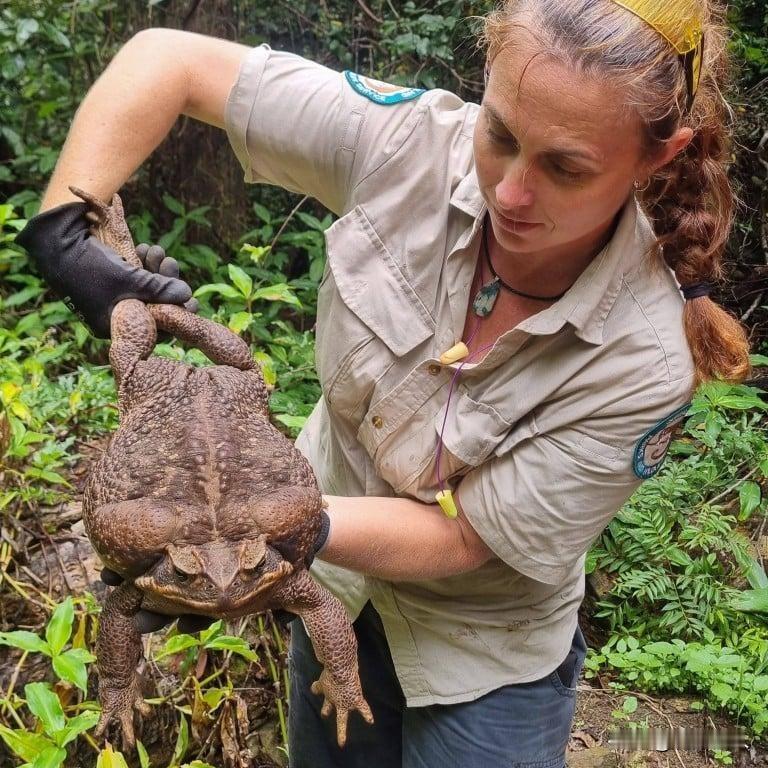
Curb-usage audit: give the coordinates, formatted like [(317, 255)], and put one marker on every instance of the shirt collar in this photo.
[(589, 300)]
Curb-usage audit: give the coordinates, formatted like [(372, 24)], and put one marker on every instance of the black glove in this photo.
[(90, 277)]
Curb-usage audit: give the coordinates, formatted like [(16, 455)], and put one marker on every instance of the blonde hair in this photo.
[(690, 201)]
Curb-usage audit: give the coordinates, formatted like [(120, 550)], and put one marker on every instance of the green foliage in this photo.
[(211, 639), (749, 20), (45, 747), (679, 553), (675, 548), (725, 678), (69, 665)]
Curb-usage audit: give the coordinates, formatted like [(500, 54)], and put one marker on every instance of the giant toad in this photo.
[(199, 503)]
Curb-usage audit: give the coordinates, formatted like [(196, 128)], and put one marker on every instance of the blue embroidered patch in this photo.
[(651, 449), (379, 92)]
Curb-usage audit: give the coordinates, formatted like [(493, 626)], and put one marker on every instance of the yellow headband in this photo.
[(680, 22)]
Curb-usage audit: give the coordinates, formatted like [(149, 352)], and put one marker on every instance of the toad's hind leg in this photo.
[(216, 341), (118, 653), (134, 334)]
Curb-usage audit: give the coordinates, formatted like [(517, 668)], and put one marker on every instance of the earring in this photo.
[(637, 185)]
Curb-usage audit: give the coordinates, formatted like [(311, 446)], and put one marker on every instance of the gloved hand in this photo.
[(149, 621), (154, 260), (89, 276)]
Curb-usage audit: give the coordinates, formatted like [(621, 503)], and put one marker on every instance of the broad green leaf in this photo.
[(77, 725), (234, 644), (182, 742), (80, 654), (44, 704), (267, 367), (758, 361), (760, 683), (312, 222), (176, 644), (20, 409), (69, 667), (45, 474), (52, 757), (25, 744), (752, 600), (294, 422), (59, 628), (109, 759), (722, 691), (277, 292), (27, 641), (239, 321), (214, 630), (660, 647), (214, 696), (753, 571), (262, 212), (223, 289), (241, 279), (630, 705), (173, 205), (25, 29), (749, 499), (8, 391)]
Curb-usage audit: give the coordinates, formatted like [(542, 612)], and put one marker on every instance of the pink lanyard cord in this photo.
[(439, 449)]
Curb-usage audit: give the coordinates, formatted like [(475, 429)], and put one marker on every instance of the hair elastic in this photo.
[(696, 290)]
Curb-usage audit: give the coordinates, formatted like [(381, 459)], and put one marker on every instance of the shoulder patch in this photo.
[(380, 92), (651, 449)]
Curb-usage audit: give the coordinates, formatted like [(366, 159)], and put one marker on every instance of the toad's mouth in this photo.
[(215, 601)]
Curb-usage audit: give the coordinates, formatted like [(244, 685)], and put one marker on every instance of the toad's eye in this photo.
[(180, 575)]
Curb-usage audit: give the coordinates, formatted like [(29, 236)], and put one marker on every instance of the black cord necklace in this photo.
[(486, 297)]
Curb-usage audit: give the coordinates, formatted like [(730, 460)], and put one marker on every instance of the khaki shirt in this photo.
[(540, 436)]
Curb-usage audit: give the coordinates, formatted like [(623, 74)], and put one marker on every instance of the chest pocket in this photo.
[(370, 315)]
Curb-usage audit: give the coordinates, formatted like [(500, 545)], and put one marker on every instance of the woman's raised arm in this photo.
[(156, 76)]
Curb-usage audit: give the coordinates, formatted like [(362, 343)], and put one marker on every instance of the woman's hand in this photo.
[(90, 276)]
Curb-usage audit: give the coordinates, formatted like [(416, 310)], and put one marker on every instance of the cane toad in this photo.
[(199, 502)]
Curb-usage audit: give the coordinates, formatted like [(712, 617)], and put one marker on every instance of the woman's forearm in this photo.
[(400, 539), (156, 76), (127, 112)]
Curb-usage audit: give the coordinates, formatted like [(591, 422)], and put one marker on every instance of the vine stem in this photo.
[(285, 223), (733, 487)]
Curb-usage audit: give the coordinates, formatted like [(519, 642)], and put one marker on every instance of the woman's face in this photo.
[(555, 158)]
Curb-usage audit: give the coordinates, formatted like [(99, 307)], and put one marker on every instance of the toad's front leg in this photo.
[(335, 646), (118, 653)]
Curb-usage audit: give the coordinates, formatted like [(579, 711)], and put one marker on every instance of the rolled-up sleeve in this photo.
[(299, 125), (540, 506)]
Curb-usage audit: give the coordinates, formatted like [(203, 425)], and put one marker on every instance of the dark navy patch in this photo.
[(380, 92), (652, 446)]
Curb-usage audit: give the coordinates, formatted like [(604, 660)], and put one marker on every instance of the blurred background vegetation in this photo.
[(678, 594)]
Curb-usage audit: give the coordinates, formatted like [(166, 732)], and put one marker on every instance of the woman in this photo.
[(498, 329)]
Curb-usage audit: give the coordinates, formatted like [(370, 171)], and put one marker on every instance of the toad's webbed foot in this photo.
[(344, 695), (333, 640), (117, 705)]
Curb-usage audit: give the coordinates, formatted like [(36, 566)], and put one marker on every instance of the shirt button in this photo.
[(434, 369), (377, 422)]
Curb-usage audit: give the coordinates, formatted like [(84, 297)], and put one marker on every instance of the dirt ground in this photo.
[(594, 722)]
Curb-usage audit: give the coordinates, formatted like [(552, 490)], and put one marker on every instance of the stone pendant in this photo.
[(485, 298)]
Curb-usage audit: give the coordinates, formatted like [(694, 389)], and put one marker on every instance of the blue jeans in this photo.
[(526, 725)]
